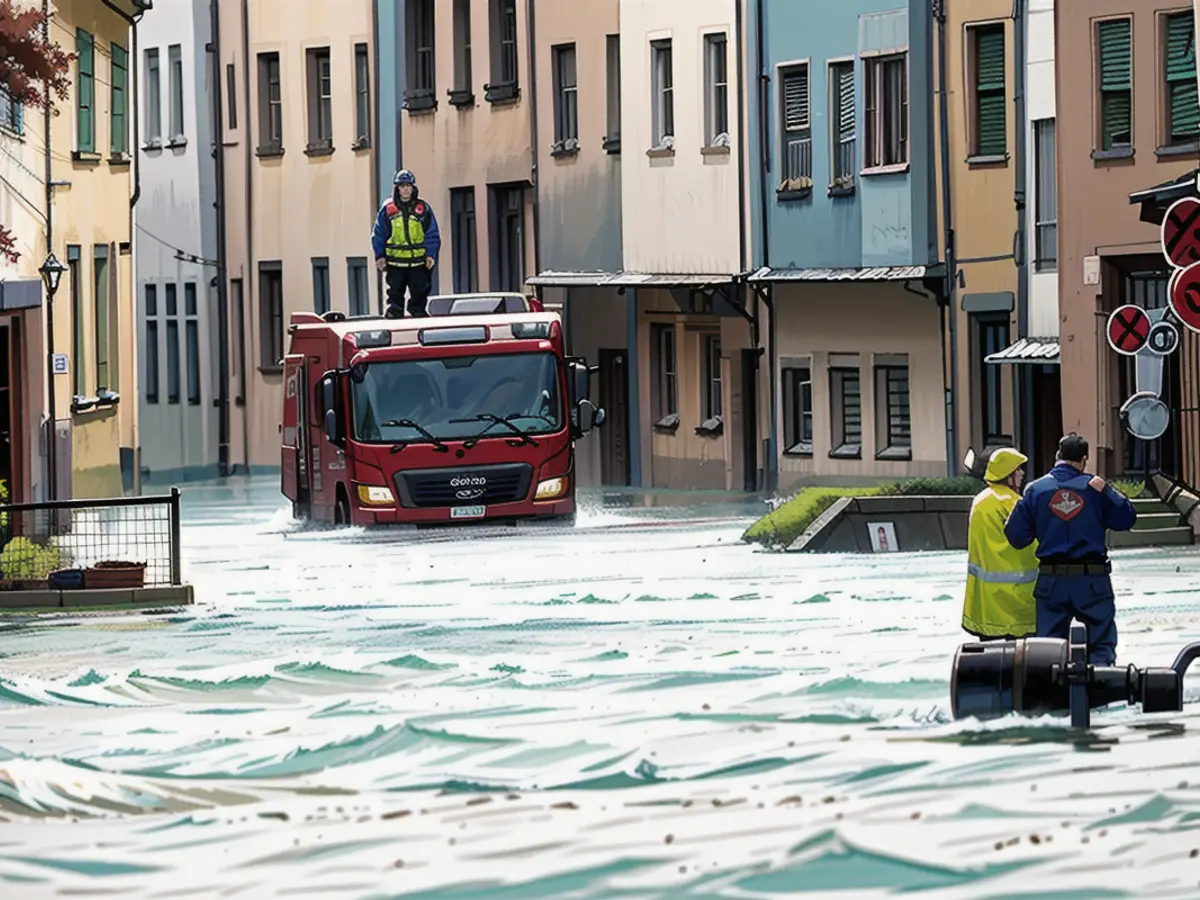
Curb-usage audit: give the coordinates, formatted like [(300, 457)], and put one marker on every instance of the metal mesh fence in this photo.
[(119, 543)]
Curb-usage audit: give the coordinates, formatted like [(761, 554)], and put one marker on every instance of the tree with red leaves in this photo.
[(32, 70)]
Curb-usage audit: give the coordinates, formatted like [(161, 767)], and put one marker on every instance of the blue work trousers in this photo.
[(1088, 598)]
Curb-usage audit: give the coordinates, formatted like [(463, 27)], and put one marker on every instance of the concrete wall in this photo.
[(1043, 285), (1095, 217), (179, 438), (818, 320), (687, 185), (92, 209), (294, 206), (579, 194)]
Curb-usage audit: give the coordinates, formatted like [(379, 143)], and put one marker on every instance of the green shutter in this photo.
[(990, 95), (1116, 55), (1117, 114), (85, 101), (120, 76), (1181, 78)]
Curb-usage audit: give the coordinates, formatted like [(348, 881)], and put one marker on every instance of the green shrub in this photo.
[(1131, 489), (782, 525), (23, 560)]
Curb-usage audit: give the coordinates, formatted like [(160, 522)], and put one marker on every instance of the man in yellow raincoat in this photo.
[(999, 603)]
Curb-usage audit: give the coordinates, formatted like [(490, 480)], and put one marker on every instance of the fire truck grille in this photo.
[(464, 485)]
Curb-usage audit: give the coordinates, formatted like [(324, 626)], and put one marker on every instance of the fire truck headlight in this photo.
[(551, 489), (371, 495)]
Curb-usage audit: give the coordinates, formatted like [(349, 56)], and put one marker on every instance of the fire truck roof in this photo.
[(492, 309)]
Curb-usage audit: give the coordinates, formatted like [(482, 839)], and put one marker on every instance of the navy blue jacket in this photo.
[(1068, 517)]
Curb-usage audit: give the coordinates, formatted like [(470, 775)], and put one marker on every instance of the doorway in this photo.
[(614, 435), (1047, 416)]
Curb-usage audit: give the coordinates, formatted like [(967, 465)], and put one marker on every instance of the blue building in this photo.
[(845, 236)]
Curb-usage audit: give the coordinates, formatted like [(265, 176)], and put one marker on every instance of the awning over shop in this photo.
[(875, 273), (626, 279), (1034, 351), (1157, 200), (20, 293)]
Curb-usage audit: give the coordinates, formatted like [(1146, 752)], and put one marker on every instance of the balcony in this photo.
[(796, 183)]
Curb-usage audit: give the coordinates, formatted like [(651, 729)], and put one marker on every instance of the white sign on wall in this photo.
[(1091, 270), (60, 364)]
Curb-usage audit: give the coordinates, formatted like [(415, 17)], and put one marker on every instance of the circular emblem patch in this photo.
[(1066, 505), (419, 209)]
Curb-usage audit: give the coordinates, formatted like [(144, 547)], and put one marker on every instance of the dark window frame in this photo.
[(153, 363), (462, 92), (797, 394), (231, 95), (1045, 197), (712, 397), (992, 334), (78, 322), (507, 203), (104, 361), (1114, 86), (662, 92), (716, 88), (843, 131), (504, 85), (321, 300), (988, 90), (178, 124), (85, 91), (153, 98), (464, 238), (362, 97), (358, 286), (612, 99), (1181, 107), (893, 410), (845, 405), (420, 37), (565, 71), (270, 105), (886, 144), (795, 129), (318, 65), (270, 310), (173, 362), (664, 368), (118, 109)]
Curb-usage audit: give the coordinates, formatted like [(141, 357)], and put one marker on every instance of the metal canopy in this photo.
[(1155, 201), (874, 273), (1030, 351), (627, 279)]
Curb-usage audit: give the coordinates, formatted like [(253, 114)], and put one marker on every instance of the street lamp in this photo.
[(51, 272)]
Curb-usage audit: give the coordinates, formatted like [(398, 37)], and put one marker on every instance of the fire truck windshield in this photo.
[(437, 394)]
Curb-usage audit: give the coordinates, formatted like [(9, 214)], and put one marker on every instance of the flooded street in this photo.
[(640, 706)]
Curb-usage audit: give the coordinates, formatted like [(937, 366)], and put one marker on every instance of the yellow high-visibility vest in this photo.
[(1000, 579)]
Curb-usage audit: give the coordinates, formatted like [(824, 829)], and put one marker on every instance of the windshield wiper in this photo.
[(493, 421), (409, 423)]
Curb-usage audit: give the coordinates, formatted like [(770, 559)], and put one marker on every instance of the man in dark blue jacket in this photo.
[(1069, 513)]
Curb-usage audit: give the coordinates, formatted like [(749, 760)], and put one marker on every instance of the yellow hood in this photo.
[(1003, 463)]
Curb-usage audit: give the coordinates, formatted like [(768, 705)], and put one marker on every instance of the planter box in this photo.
[(112, 576)]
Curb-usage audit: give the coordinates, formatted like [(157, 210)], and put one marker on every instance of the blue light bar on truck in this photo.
[(474, 334), (364, 339)]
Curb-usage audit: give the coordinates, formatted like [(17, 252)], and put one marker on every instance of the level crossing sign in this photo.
[(1185, 297), (1180, 232), (1128, 329)]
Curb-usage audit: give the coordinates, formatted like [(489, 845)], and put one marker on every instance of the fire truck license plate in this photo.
[(467, 512)]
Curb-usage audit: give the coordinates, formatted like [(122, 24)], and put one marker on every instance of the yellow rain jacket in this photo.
[(1000, 578)]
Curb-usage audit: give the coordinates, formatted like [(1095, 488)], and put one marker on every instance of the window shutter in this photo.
[(1181, 76), (795, 99), (845, 102), (18, 116), (1116, 55), (989, 91)]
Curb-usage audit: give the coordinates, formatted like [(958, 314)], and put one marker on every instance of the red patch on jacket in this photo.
[(419, 209), (1066, 505)]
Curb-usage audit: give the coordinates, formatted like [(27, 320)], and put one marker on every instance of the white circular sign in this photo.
[(1147, 418), (1163, 338)]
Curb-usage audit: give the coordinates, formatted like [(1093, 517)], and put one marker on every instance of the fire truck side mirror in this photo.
[(333, 430), (581, 383)]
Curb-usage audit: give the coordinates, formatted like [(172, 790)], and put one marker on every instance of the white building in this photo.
[(176, 224), (1042, 187)]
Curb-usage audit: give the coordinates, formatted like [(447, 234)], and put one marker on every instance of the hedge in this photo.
[(780, 527)]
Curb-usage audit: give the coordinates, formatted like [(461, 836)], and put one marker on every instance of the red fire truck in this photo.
[(468, 415)]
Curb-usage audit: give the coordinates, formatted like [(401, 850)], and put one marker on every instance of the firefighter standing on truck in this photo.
[(406, 244), (1069, 513), (999, 602)]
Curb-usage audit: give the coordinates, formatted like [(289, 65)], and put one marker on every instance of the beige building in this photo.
[(85, 217), (298, 197)]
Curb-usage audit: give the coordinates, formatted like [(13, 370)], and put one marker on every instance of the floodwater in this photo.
[(638, 707)]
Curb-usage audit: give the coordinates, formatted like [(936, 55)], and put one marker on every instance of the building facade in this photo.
[(1130, 121), (297, 189), (74, 194), (848, 215), (181, 395)]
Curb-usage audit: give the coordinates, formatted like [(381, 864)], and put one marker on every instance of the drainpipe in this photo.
[(749, 413), (222, 239), (1023, 393), (531, 6), (248, 292), (951, 289), (52, 429), (741, 144), (768, 293)]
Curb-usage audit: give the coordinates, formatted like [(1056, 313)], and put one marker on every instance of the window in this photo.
[(1114, 41), (796, 131), (270, 103), (463, 240), (612, 74), (362, 97), (893, 418), (173, 361), (797, 411), (78, 340), (237, 296), (462, 93), (320, 99), (662, 108), (100, 311), (992, 337), (192, 336), (1045, 198), (189, 298), (711, 398), (175, 61), (845, 407), (886, 90), (12, 113), (231, 95), (666, 397), (843, 128), (359, 290), (153, 96), (118, 134), (1183, 114), (566, 96), (270, 302), (85, 125), (422, 73), (716, 90), (508, 237), (988, 134), (504, 81), (320, 277), (152, 361), (172, 300)]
